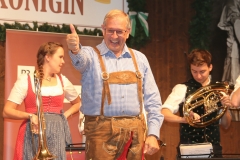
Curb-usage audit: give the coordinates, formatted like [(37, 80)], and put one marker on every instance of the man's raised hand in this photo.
[(73, 40)]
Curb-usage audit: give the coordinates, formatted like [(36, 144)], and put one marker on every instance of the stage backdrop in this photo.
[(21, 50)]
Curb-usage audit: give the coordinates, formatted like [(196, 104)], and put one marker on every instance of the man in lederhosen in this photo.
[(117, 86)]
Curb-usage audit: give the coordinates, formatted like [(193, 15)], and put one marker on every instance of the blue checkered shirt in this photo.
[(124, 96)]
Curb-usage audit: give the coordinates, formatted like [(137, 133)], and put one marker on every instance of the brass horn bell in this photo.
[(208, 98)]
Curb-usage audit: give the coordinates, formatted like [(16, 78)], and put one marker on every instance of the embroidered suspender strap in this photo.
[(139, 80), (105, 77), (121, 77)]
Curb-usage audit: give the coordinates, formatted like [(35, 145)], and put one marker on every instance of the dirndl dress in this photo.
[(57, 131)]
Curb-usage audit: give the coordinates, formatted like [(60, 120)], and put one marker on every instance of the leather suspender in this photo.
[(121, 77)]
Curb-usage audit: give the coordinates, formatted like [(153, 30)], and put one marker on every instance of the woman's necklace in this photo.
[(48, 79)]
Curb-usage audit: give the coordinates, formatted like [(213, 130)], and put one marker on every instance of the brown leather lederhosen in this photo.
[(121, 77), (110, 134)]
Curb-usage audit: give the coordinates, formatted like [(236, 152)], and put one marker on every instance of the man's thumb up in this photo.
[(73, 31), (73, 40)]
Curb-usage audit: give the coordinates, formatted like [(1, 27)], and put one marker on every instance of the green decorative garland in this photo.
[(137, 41), (199, 29), (140, 38), (45, 27)]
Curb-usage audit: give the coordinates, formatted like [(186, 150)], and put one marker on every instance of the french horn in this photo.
[(209, 97)]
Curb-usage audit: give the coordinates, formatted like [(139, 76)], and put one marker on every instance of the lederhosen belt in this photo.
[(121, 77)]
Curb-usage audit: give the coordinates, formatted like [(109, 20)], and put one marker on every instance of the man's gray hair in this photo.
[(117, 13)]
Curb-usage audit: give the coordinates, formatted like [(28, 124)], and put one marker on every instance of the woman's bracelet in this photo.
[(30, 116)]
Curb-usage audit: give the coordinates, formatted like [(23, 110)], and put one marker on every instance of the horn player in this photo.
[(200, 67)]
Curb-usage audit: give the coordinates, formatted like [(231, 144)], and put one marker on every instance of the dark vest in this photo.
[(189, 134)]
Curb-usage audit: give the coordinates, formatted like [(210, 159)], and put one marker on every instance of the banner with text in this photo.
[(82, 13)]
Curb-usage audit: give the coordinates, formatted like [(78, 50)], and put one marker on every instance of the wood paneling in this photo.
[(168, 25), (230, 139)]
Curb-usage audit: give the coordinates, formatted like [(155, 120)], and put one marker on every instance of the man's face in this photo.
[(201, 73), (115, 34)]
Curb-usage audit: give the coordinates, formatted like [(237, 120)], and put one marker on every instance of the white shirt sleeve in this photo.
[(237, 84), (69, 90), (19, 90), (176, 97)]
